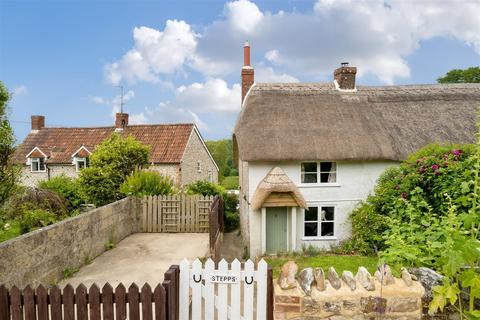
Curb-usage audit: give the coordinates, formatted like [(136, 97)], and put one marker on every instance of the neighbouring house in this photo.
[(177, 150), (308, 153)]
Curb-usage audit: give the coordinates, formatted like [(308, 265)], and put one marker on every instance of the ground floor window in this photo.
[(319, 221)]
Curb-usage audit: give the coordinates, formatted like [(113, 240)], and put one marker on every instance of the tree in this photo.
[(8, 176), (470, 75), (110, 164), (222, 152)]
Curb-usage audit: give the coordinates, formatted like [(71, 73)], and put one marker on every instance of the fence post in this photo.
[(270, 294), (171, 285), (4, 305)]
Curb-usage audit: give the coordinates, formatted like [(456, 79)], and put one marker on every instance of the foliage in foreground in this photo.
[(111, 162), (68, 188), (8, 171), (147, 183)]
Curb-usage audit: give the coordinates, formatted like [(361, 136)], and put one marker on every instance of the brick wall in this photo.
[(41, 256)]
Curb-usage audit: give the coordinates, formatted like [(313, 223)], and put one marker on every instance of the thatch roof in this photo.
[(276, 181), (315, 121)]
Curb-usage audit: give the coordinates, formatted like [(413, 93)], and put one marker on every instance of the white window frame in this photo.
[(37, 160), (318, 183), (210, 176), (77, 160), (319, 223)]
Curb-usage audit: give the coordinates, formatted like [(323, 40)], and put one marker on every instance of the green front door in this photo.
[(276, 230)]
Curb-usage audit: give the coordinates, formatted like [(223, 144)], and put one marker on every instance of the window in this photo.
[(80, 163), (210, 176), (199, 167), (319, 222), (314, 172), (37, 164)]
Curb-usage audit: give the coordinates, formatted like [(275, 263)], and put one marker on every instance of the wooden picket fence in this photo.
[(82, 304), (209, 293), (176, 213)]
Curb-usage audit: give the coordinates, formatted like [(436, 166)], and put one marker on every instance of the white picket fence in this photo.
[(216, 293)]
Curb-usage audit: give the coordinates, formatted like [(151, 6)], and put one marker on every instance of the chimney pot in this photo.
[(248, 76), (121, 120), (38, 122), (345, 76)]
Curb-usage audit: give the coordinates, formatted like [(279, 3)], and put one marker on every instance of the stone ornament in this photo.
[(347, 277), (287, 276), (406, 277), (365, 279), (306, 279), (333, 278), (384, 275)]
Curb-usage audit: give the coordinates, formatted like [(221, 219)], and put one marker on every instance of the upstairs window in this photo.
[(80, 163), (318, 172), (37, 164), (210, 176), (319, 222), (199, 167)]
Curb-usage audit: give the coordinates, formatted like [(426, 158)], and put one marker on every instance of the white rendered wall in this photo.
[(355, 180)]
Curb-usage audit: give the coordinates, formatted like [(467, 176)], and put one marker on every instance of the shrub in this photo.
[(231, 214), (230, 183), (204, 188), (36, 218), (420, 184), (35, 198), (110, 164), (147, 183), (67, 188)]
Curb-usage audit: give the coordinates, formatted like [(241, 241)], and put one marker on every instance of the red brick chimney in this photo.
[(247, 71), (121, 120), (38, 122), (345, 76)]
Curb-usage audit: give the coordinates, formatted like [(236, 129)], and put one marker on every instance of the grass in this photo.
[(230, 183), (12, 232), (339, 262)]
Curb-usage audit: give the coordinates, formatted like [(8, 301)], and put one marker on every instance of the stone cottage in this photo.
[(177, 150), (308, 153)]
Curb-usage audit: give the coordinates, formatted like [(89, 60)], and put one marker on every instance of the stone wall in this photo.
[(41, 256), (32, 179), (359, 297)]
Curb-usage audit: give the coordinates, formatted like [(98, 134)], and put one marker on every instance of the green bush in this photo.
[(230, 183), (204, 188), (420, 184), (36, 218), (68, 188), (147, 183), (231, 214), (110, 164)]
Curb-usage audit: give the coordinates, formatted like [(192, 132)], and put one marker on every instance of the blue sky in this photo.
[(179, 61)]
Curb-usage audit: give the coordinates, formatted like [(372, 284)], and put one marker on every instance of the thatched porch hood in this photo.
[(315, 121)]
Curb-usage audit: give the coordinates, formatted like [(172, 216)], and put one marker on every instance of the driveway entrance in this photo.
[(141, 258)]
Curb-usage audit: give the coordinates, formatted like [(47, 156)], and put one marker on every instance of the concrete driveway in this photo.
[(141, 258)]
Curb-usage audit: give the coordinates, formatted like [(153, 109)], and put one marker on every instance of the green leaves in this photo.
[(448, 293)]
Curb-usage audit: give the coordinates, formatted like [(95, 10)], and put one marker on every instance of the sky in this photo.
[(180, 61)]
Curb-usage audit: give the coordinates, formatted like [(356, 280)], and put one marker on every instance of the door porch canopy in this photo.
[(276, 189)]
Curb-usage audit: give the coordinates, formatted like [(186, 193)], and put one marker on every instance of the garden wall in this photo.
[(41, 256)]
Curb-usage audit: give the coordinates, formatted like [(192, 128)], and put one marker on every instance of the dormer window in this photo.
[(37, 164), (80, 163)]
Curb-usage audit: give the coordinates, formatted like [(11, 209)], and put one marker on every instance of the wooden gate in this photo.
[(216, 293), (177, 213)]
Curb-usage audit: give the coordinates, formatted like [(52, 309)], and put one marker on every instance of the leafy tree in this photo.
[(222, 152), (8, 172), (205, 188), (147, 183), (110, 164), (470, 75)]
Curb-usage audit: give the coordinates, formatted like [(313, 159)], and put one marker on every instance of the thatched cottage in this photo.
[(176, 150), (309, 152)]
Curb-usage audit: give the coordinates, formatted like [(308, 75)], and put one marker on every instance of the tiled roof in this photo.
[(167, 142)]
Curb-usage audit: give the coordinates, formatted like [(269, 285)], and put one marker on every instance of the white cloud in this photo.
[(137, 118), (267, 74), (155, 52), (243, 15), (273, 56), (20, 90)]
